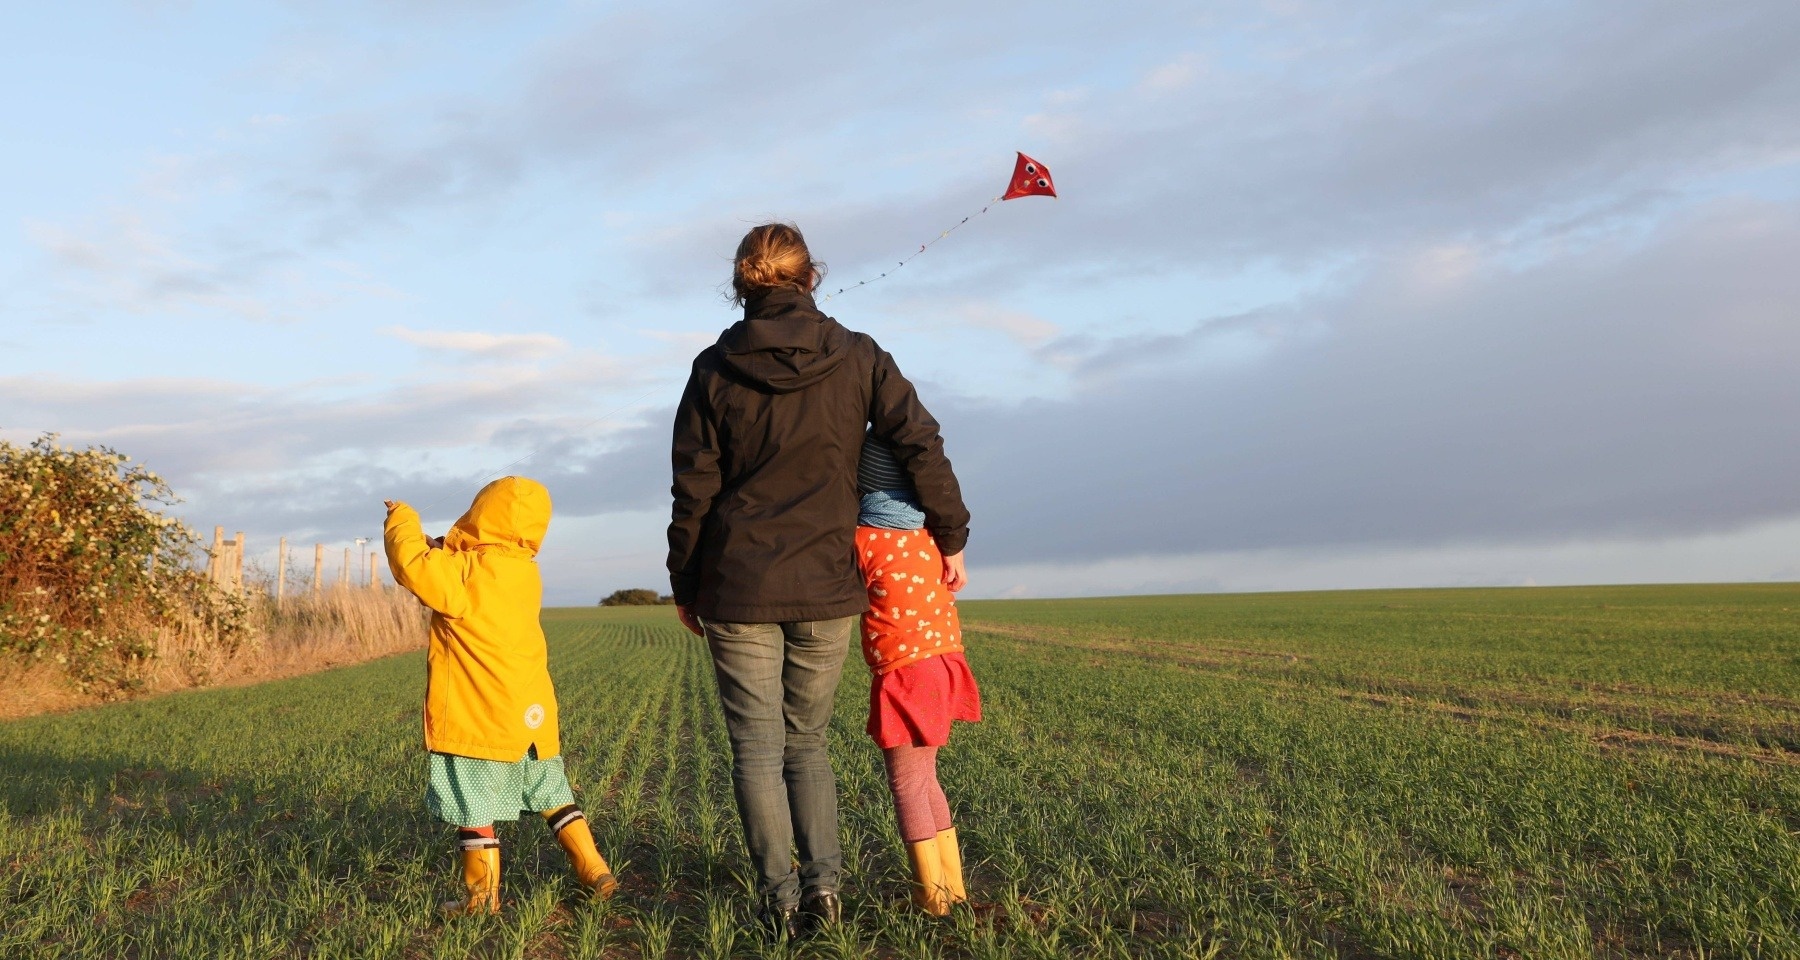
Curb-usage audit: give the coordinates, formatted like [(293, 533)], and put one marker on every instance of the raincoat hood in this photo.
[(784, 343), (512, 513)]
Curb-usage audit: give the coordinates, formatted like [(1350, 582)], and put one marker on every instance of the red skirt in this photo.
[(914, 705)]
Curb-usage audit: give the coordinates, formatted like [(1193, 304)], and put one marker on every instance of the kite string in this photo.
[(922, 248), (860, 283)]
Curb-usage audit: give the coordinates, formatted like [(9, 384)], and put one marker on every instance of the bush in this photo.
[(92, 574), (638, 597)]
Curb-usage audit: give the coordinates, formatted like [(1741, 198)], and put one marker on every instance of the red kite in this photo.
[(1030, 179)]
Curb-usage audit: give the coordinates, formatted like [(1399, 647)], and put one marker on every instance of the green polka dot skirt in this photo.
[(474, 793)]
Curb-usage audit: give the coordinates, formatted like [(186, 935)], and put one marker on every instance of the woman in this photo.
[(761, 547)]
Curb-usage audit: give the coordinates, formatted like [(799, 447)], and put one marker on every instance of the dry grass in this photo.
[(306, 634), (34, 688), (336, 627)]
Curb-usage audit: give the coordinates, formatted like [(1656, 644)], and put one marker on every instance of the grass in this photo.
[(1534, 773)]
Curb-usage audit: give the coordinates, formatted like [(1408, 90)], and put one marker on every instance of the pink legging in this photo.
[(919, 802)]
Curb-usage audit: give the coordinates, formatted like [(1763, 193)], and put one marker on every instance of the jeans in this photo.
[(777, 683)]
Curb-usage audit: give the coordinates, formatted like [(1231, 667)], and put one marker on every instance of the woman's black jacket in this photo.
[(766, 443)]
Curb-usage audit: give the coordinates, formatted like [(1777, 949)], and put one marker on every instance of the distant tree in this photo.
[(636, 597)]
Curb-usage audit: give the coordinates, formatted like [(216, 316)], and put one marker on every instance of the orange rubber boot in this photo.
[(929, 889), (481, 880), (577, 840), (951, 856)]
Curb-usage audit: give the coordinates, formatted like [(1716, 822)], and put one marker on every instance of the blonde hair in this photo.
[(773, 255)]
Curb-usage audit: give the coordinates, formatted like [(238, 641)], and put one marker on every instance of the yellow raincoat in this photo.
[(488, 692)]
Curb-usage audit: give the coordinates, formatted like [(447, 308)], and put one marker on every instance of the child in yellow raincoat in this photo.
[(490, 711)]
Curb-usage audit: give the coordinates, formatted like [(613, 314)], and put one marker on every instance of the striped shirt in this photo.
[(879, 469), (888, 498)]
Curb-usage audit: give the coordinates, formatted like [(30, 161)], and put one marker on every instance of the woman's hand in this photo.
[(956, 576), (690, 621)]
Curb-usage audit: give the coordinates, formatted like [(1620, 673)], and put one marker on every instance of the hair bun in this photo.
[(773, 255), (758, 272)]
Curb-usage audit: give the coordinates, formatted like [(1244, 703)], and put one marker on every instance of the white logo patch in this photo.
[(534, 716)]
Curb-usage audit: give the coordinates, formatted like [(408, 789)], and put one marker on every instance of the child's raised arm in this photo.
[(434, 576)]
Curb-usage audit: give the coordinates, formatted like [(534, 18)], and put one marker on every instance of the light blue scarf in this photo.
[(891, 510)]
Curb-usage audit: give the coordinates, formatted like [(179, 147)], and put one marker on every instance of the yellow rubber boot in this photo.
[(929, 892), (951, 855), (577, 840), (481, 880)]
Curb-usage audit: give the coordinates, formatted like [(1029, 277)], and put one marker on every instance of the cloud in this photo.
[(1017, 325), (597, 473), (1022, 327), (1626, 391), (1176, 75), (123, 262), (1510, 307), (1763, 552), (1256, 136), (1478, 123), (492, 346), (1229, 339), (126, 264), (1634, 390), (634, 97), (610, 105), (293, 458)]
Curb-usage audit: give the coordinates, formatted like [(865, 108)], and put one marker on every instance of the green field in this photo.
[(1532, 773)]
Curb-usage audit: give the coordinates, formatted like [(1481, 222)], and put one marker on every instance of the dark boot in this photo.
[(779, 920), (819, 910)]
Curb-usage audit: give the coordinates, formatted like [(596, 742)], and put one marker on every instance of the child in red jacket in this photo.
[(920, 683)]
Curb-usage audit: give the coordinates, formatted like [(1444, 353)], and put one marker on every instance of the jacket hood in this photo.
[(511, 512), (784, 343)]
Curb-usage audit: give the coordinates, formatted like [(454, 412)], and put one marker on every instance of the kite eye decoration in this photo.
[(1031, 168), (1041, 182)]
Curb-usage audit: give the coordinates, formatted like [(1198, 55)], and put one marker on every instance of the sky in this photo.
[(1334, 295)]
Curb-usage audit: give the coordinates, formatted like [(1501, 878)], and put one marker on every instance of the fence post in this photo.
[(373, 583), (213, 558), (280, 572), (237, 563), (344, 571), (318, 566)]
